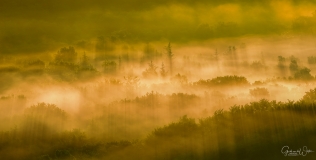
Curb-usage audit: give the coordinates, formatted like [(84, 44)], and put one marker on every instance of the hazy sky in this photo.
[(30, 26)]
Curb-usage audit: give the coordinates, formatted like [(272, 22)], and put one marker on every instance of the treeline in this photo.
[(64, 66), (67, 65), (243, 132), (223, 81)]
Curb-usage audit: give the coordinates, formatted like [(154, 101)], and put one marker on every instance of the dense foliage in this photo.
[(242, 132)]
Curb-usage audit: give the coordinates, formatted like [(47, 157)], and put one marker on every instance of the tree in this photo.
[(180, 79), (293, 66), (257, 65), (33, 64), (170, 55), (309, 97), (150, 72), (84, 64), (303, 74), (66, 54), (223, 81), (163, 72), (44, 119), (259, 92), (84, 60), (281, 62), (149, 52)]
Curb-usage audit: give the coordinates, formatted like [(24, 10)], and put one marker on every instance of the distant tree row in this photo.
[(224, 81), (298, 73)]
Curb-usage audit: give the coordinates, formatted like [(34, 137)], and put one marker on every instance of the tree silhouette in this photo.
[(293, 66), (84, 60), (149, 52), (131, 82), (170, 56), (303, 74), (180, 79), (150, 72), (309, 97), (66, 54), (281, 63), (259, 92), (163, 72), (85, 65), (223, 81), (257, 66)]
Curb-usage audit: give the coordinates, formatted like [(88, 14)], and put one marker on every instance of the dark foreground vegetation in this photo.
[(257, 130)]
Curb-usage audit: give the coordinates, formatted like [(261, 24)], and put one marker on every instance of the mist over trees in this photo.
[(170, 56), (253, 126), (230, 79), (90, 106), (66, 54)]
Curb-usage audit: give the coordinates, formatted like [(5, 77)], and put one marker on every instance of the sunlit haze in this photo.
[(157, 80)]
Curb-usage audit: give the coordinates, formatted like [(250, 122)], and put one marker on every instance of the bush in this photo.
[(303, 74), (259, 92), (224, 81)]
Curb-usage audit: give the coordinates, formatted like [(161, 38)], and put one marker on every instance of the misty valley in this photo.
[(157, 80), (235, 98)]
